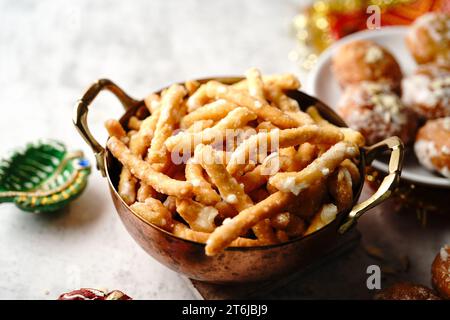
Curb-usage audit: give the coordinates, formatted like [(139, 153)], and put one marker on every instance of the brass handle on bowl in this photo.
[(81, 110), (389, 183)]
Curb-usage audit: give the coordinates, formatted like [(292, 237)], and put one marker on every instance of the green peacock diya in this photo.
[(43, 177)]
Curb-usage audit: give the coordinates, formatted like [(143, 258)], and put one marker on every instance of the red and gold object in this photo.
[(94, 294), (326, 21), (407, 12)]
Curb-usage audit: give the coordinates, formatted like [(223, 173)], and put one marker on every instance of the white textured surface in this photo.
[(50, 51)]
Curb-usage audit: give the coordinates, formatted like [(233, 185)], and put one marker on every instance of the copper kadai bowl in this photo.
[(240, 264)]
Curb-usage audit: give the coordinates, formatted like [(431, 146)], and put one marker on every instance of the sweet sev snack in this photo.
[(235, 165)]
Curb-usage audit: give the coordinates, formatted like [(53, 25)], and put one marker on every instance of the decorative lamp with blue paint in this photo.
[(43, 176)]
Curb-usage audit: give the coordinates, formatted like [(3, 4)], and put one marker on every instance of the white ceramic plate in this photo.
[(323, 85)]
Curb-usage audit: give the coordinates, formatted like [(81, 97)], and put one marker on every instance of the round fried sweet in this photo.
[(429, 38), (406, 291), (440, 271), (377, 112), (432, 146), (427, 91), (364, 60)]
